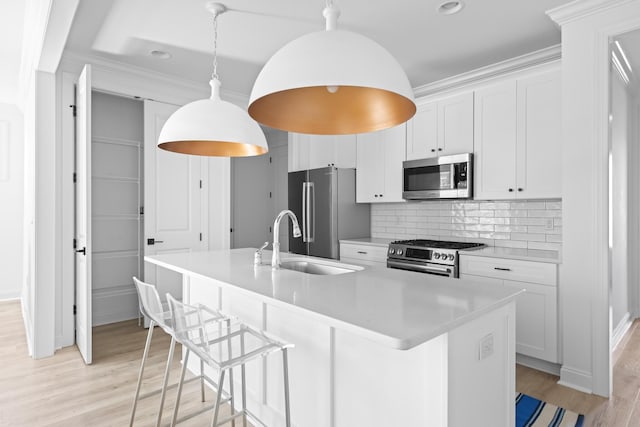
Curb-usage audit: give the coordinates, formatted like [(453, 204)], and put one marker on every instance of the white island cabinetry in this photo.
[(374, 347)]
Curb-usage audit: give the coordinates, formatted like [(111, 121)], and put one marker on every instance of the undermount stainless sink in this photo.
[(315, 267)]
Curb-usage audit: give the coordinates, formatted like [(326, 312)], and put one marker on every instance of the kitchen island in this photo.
[(374, 347)]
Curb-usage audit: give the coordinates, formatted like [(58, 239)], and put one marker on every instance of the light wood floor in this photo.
[(63, 391), (622, 410)]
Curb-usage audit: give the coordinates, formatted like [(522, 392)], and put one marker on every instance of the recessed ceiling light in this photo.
[(160, 54), (450, 7)]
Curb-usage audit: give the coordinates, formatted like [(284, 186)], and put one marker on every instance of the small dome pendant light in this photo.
[(213, 127), (330, 83)]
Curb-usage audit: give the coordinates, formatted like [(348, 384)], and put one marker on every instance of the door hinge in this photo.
[(75, 243), (75, 177), (231, 230), (141, 210), (75, 310), (74, 110), (269, 194), (201, 237), (200, 183)]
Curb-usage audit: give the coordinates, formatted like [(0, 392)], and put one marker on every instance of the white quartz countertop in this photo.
[(396, 308), (369, 241), (516, 253)]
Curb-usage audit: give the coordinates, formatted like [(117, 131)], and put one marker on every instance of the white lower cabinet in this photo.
[(536, 309), (363, 254)]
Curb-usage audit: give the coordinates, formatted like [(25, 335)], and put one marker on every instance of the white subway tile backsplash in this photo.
[(534, 224)]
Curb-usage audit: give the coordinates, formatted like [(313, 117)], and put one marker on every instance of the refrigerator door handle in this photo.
[(305, 195), (311, 213)]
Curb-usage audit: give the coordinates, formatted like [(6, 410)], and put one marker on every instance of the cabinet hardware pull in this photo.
[(501, 269), (519, 189), (362, 252), (511, 190), (433, 150), (439, 149)]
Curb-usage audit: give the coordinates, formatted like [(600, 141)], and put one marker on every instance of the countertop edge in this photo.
[(386, 340)]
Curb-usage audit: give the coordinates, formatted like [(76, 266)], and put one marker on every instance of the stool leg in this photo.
[(144, 359), (231, 400), (285, 367), (243, 379), (201, 380), (166, 380), (174, 419), (214, 420)]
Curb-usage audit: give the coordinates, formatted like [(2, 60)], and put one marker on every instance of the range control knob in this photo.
[(451, 257), (399, 251), (436, 256), (392, 251)]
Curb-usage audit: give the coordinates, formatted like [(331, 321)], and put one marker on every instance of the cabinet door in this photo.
[(298, 151), (455, 125), (495, 142), (539, 149), (344, 153), (422, 132), (394, 143), (370, 167), (536, 320), (321, 148)]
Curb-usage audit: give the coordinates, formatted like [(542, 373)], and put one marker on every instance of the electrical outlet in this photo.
[(548, 225), (486, 347)]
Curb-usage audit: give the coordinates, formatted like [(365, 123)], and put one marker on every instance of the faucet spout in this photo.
[(275, 259)]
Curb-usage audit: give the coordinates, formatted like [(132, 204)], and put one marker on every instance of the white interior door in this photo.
[(83, 215), (174, 203)]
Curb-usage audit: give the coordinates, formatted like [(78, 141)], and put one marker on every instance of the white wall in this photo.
[(11, 200)]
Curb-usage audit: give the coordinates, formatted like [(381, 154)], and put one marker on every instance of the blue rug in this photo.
[(531, 412)]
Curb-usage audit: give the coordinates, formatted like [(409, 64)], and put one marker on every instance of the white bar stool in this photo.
[(151, 307), (223, 348)]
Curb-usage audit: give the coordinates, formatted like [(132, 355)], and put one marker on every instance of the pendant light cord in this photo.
[(214, 76)]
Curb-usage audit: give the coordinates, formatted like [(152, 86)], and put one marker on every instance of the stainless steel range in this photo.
[(427, 256)]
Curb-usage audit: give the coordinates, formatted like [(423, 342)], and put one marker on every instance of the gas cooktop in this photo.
[(438, 244)]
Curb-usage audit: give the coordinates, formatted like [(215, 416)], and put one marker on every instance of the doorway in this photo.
[(624, 184), (116, 202)]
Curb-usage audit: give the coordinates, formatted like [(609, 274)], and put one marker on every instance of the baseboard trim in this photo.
[(538, 364), (114, 305), (27, 327), (576, 379), (620, 331)]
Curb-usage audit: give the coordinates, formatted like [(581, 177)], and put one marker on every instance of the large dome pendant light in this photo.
[(213, 127), (330, 83)]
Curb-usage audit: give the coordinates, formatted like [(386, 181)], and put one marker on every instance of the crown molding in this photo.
[(192, 89), (536, 58), (579, 9)]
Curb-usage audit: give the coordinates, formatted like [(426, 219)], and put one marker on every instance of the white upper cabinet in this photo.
[(539, 136), (379, 167), (495, 142), (517, 139), (441, 127), (318, 151)]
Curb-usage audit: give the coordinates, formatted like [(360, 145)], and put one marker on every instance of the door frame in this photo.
[(120, 81)]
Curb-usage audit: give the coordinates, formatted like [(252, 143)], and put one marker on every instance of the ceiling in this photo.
[(428, 45)]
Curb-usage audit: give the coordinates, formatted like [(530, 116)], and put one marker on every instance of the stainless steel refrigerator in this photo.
[(324, 200)]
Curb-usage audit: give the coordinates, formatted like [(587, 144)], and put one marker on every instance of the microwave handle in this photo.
[(452, 178)]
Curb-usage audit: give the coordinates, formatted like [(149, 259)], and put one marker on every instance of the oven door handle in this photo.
[(419, 267)]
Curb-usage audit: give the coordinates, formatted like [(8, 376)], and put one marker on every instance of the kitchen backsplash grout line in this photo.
[(532, 224)]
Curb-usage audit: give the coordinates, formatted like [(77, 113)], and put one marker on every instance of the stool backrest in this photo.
[(149, 301), (188, 324)]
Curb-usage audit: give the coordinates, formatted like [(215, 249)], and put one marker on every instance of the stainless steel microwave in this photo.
[(445, 177)]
